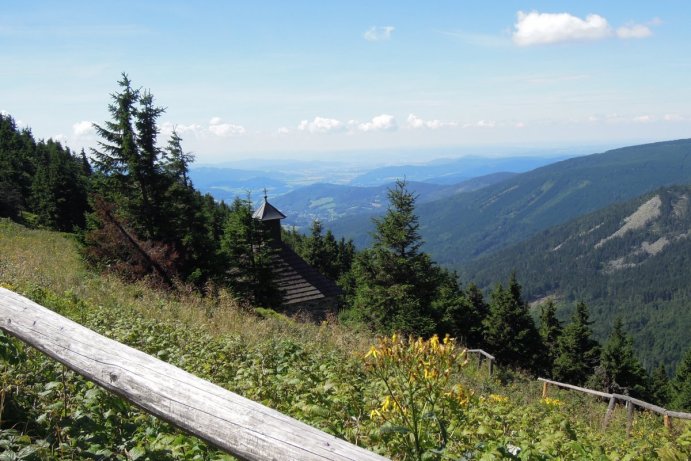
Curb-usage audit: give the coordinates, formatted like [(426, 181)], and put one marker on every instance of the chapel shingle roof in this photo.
[(298, 281), (267, 212)]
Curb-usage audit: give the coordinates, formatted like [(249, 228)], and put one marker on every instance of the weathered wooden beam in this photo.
[(481, 352), (629, 402), (576, 388), (678, 414), (641, 403), (239, 426)]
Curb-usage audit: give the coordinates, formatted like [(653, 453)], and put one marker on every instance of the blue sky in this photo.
[(312, 79)]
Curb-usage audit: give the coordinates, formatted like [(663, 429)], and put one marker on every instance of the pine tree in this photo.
[(247, 249), (460, 316), (396, 283), (578, 353), (315, 249), (659, 386), (510, 332), (619, 370), (550, 331), (129, 161), (681, 384), (59, 188), (177, 160), (17, 169)]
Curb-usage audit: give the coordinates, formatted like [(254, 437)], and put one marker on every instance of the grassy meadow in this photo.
[(403, 399)]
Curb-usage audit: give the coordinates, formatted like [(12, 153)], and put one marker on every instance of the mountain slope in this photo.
[(327, 202), (630, 260), (469, 225)]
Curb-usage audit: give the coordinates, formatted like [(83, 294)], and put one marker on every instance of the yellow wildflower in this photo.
[(372, 352)]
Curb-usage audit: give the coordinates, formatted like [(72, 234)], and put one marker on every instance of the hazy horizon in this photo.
[(296, 80)]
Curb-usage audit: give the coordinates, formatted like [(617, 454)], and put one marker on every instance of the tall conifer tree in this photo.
[(578, 353)]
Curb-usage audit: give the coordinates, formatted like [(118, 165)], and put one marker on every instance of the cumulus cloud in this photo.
[(536, 28), (416, 122), (321, 125), (383, 122), (634, 31), (378, 33), (83, 128), (224, 130)]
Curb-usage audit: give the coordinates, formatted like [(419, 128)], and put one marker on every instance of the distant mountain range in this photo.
[(328, 202), (466, 226), (280, 177), (630, 260), (450, 171)]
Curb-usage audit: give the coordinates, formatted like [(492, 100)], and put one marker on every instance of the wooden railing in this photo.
[(630, 403), (480, 354), (234, 424)]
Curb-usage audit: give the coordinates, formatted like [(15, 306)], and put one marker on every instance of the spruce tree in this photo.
[(129, 161), (177, 161), (510, 333), (681, 384), (578, 352), (247, 248), (619, 370), (550, 331), (395, 282), (659, 386)]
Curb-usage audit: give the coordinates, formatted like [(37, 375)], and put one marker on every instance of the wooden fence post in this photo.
[(668, 421), (491, 366), (608, 413), (544, 390), (629, 418)]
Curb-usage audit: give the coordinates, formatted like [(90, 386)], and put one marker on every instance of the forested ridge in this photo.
[(639, 275)]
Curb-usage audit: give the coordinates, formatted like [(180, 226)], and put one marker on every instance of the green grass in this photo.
[(316, 373)]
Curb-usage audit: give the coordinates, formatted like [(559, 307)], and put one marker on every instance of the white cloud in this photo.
[(536, 28), (481, 124), (519, 125), (321, 125), (634, 31), (416, 122), (224, 130), (378, 34), (643, 119), (83, 128), (283, 130), (61, 138), (673, 118), (383, 122)]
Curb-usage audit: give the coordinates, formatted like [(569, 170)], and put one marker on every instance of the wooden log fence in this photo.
[(234, 424), (480, 354), (629, 401)]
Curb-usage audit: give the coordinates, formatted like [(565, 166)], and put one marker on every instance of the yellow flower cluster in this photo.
[(498, 398), (421, 392), (552, 402)]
